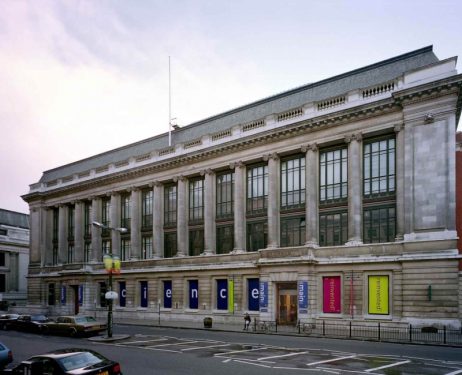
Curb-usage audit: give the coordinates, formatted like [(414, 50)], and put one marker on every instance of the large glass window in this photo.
[(87, 220), (51, 294), (70, 253), (257, 236), (106, 246), (225, 198), (170, 244), (293, 231), (293, 183), (196, 200), (257, 189), (125, 247), (379, 167), (105, 216), (225, 239), (379, 224), (170, 200), (196, 242), (146, 209), (333, 228), (146, 247), (125, 211), (333, 175), (70, 223), (55, 224), (87, 252)]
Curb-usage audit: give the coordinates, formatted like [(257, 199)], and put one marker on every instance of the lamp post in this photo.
[(112, 266)]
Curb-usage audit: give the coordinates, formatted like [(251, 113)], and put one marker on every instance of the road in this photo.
[(152, 350)]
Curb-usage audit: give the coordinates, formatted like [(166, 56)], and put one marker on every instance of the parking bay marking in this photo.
[(387, 366), (238, 351), (281, 356), (330, 360), (204, 347)]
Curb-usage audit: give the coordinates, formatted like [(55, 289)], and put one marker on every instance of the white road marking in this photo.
[(387, 366), (172, 343), (204, 347), (144, 341), (238, 351), (330, 360), (281, 356), (455, 372), (251, 363)]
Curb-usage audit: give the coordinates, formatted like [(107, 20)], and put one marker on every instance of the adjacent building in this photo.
[(334, 200), (14, 258)]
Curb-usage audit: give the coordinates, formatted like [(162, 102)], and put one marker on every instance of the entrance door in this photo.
[(287, 303)]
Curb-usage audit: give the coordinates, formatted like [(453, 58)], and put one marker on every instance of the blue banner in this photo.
[(264, 296), (253, 293), (222, 294), (303, 296), (80, 294), (144, 293), (63, 295), (122, 293), (167, 294), (193, 294)]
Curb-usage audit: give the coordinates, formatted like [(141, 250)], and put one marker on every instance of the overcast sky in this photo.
[(79, 78)]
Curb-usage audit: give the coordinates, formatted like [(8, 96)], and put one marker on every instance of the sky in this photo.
[(78, 78)]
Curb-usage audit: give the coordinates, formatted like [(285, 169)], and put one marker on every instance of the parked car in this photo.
[(6, 319), (29, 323), (6, 355), (79, 325), (67, 361)]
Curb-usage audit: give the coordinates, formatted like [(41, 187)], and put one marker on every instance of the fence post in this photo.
[(444, 334), (255, 325), (379, 331), (410, 332), (323, 327), (350, 329), (276, 326), (299, 324)]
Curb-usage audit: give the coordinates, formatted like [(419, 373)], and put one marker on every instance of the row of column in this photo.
[(273, 214)]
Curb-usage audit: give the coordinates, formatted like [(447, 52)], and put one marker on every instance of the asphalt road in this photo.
[(152, 350)]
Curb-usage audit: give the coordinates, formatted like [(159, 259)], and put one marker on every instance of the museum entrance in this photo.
[(287, 303)]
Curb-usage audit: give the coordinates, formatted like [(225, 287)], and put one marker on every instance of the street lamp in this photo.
[(112, 266)]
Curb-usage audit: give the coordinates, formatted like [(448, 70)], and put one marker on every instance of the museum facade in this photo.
[(334, 200)]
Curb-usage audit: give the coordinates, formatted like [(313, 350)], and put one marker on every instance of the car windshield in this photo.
[(81, 319), (38, 318), (79, 360)]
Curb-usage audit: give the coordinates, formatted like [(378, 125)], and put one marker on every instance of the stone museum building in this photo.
[(335, 200), (14, 258)]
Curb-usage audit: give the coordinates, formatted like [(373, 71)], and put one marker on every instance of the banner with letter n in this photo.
[(63, 294), (222, 294), (80, 294), (193, 294)]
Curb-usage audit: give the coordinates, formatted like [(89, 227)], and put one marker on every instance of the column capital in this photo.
[(207, 171), (311, 146), (397, 128), (354, 137), (272, 156), (133, 188), (237, 164), (179, 178), (156, 183)]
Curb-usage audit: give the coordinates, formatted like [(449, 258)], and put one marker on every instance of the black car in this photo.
[(67, 361), (29, 323), (6, 319)]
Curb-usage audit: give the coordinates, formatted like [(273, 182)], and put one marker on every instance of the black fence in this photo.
[(385, 332)]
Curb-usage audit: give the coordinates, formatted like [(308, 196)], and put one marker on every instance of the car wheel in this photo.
[(4, 327), (45, 330), (72, 332)]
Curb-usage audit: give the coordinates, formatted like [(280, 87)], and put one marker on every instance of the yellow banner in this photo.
[(231, 296), (378, 295)]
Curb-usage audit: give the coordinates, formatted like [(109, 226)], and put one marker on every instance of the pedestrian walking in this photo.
[(247, 320)]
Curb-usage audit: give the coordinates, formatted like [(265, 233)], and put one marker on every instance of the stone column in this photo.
[(35, 234), (158, 219), (78, 231), (182, 215), (96, 244), (399, 178), (354, 189), (239, 206), (114, 217), (47, 256), (274, 168), (311, 194), (62, 234), (209, 212), (135, 226)]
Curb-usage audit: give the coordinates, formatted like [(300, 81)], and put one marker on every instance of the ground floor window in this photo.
[(293, 231), (51, 294), (379, 224), (333, 228), (257, 235)]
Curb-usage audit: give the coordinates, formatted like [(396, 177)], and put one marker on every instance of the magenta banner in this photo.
[(332, 295)]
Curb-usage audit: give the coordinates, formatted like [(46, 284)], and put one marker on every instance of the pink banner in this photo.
[(332, 295)]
